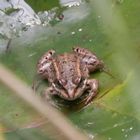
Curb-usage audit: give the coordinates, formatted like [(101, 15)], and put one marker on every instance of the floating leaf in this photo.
[(110, 28)]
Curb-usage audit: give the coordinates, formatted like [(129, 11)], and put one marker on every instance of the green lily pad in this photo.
[(110, 28)]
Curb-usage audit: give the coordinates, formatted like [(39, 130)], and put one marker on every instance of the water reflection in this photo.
[(70, 3), (75, 14), (16, 17)]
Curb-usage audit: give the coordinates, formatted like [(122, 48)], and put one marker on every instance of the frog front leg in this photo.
[(48, 92), (45, 69), (93, 85), (88, 58)]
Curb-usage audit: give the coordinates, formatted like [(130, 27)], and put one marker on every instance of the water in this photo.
[(70, 3), (17, 17)]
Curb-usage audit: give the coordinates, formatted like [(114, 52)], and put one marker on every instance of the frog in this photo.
[(68, 73)]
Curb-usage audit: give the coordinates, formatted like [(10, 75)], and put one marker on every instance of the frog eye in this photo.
[(58, 84), (50, 53), (63, 82), (76, 49)]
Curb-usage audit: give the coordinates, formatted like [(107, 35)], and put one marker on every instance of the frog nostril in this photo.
[(50, 52), (46, 57)]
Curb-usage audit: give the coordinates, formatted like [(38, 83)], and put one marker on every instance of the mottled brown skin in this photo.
[(68, 73)]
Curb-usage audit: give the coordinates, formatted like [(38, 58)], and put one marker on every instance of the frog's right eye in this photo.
[(63, 82), (58, 84)]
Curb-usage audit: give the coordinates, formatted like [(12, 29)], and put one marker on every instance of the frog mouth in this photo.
[(68, 95), (71, 94), (76, 92)]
